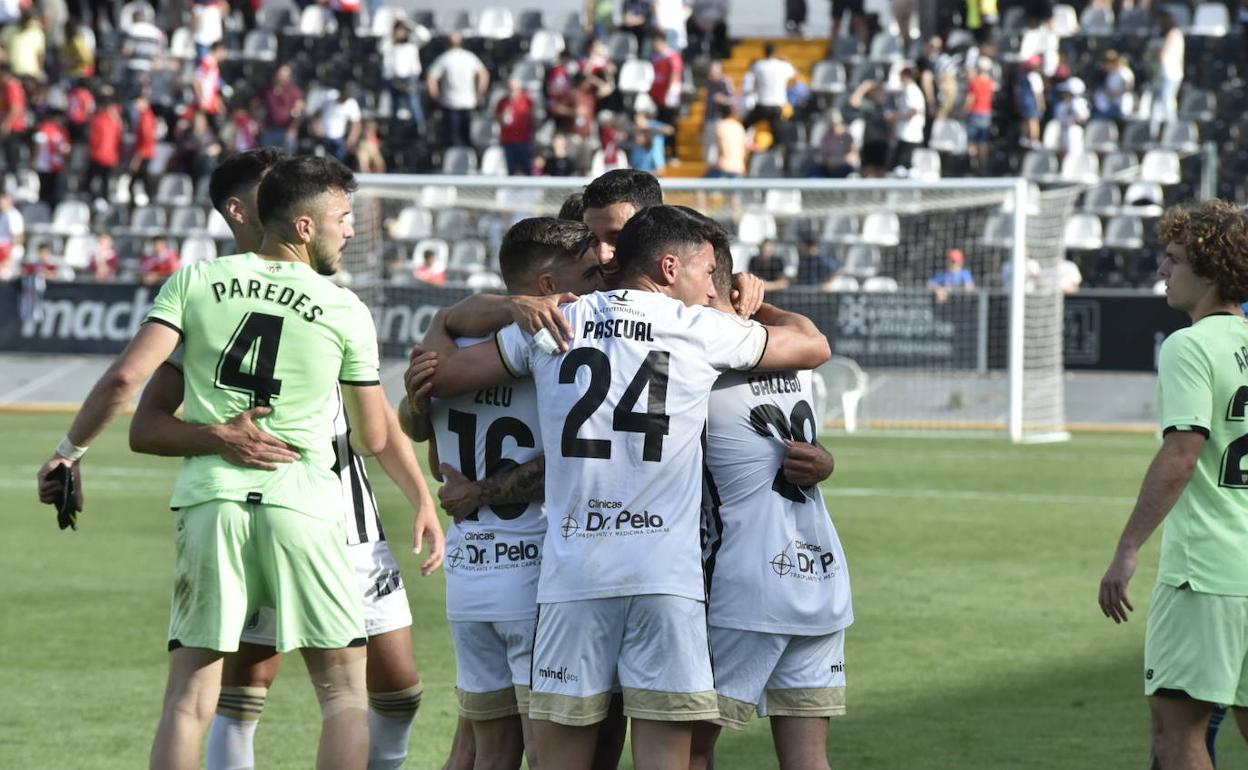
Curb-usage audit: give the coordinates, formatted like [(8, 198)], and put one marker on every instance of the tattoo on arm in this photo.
[(523, 484)]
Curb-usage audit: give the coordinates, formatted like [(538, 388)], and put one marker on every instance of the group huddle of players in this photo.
[(627, 444)]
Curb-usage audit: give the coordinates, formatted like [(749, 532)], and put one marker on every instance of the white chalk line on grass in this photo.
[(52, 375), (970, 494)]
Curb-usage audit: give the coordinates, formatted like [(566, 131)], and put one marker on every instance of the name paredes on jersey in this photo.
[(619, 328), (805, 561), (773, 384), (609, 517), (270, 292)]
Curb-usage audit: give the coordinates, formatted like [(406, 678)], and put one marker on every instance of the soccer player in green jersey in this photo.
[(1197, 636), (261, 329)]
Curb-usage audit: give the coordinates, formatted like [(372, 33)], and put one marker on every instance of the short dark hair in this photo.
[(769, 50), (573, 208), (659, 230), (536, 243), (296, 180), (242, 169), (722, 278), (624, 185)]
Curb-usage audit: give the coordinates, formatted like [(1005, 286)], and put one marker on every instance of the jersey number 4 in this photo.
[(249, 358), (764, 417), (464, 425), (652, 423)]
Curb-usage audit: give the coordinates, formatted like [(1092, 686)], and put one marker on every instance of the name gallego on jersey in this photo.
[(270, 292), (773, 384)]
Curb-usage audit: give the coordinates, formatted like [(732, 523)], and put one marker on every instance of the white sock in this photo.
[(231, 739), (390, 717)]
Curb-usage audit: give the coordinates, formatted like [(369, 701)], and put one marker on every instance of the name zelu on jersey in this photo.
[(487, 553), (270, 292), (805, 561), (610, 517)]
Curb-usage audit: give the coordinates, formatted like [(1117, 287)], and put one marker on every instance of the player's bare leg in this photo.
[(612, 733), (394, 693), (566, 747), (702, 752), (661, 745), (1241, 720), (246, 677), (463, 747), (530, 743), (1179, 726), (801, 742), (190, 698), (339, 679), (499, 743)]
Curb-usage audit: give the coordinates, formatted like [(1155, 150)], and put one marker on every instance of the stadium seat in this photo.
[(800, 162), (1124, 233), (636, 76), (197, 249), (1135, 22), (862, 261), (314, 20), (741, 253), (260, 45), (948, 136), (1143, 199), (438, 196), (886, 48), (452, 224), (493, 161), (843, 283), (485, 281), (462, 20), (1097, 22), (1118, 164), (531, 74), (440, 248), (78, 251), (925, 164), (182, 44), (412, 224), (1181, 136), (381, 24), (1084, 232), (23, 185), (783, 202), (218, 228), (828, 77), (496, 24), (187, 220), (1101, 136), (1137, 136), (768, 163), (148, 221), (1210, 20), (36, 216), (529, 22), (756, 227), (622, 46), (71, 218), (1081, 168), (1040, 165), (1104, 200), (1051, 138), (880, 284), (545, 46), (841, 228), (483, 131), (175, 190), (1181, 13), (881, 228), (468, 256), (1200, 106), (998, 231), (1160, 166), (459, 161), (130, 11)]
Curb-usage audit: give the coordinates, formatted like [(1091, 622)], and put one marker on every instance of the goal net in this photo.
[(876, 264)]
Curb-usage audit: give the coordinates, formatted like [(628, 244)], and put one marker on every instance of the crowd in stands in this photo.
[(111, 115)]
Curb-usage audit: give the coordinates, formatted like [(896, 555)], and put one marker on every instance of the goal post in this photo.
[(949, 358)]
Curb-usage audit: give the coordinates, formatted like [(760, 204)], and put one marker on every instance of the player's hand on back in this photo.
[(242, 442), (807, 464), (533, 314), (459, 495), (1115, 604), (747, 294), (418, 379)]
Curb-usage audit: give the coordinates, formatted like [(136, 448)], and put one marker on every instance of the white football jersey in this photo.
[(773, 559), (362, 520), (622, 414), (493, 556)]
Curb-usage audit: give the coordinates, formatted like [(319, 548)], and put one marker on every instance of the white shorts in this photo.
[(777, 675), (381, 586), (654, 645), (492, 663)]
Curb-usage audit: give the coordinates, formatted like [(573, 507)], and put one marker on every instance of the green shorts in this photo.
[(233, 558), (1197, 643)]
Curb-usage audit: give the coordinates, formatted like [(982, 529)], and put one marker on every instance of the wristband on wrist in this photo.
[(70, 451)]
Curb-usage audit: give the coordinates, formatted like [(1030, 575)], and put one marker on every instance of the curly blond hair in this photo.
[(1215, 234)]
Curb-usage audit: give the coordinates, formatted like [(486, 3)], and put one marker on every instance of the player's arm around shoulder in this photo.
[(462, 370), (793, 340)]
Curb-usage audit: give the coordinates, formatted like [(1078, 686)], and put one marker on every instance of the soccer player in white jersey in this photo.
[(393, 679), (622, 409), (246, 536), (777, 582)]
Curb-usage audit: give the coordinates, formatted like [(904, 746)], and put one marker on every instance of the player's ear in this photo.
[(545, 284), (669, 268), (235, 210), (304, 228)]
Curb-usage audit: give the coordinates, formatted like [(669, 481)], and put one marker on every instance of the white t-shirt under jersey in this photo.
[(622, 414), (493, 556), (773, 558)]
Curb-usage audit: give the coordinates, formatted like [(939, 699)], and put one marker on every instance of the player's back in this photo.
[(622, 413), (260, 332), (774, 560), (492, 557)]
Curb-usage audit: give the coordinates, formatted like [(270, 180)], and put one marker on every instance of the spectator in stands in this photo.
[(145, 140), (160, 262), (556, 161), (428, 270), (1167, 70), (574, 110), (954, 278), (1029, 100), (1071, 113), (981, 89), (857, 23), (458, 82), (670, 20), (51, 146), (43, 264), (208, 25), (514, 113), (78, 55), (283, 107), (1069, 276), (242, 131), (199, 148), (909, 119), (143, 47), (600, 17), (647, 147), (12, 117), (836, 157), (708, 29), (247, 9), (28, 48), (770, 76), (104, 149), (635, 18), (368, 155), (720, 94), (346, 14), (12, 235), (339, 122), (730, 148), (400, 68), (668, 85), (1039, 41), (208, 84), (1115, 98), (813, 268), (105, 261), (599, 71), (868, 100), (559, 78), (79, 109), (768, 266)]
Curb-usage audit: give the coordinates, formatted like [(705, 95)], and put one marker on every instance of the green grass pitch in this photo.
[(978, 643)]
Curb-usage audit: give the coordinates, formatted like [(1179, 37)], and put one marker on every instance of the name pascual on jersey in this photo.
[(807, 561), (483, 551), (270, 292), (610, 517)]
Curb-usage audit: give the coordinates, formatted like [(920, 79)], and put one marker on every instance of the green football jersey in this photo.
[(259, 332), (1202, 386)]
